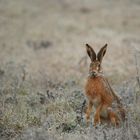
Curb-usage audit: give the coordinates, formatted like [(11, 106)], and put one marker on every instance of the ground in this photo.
[(44, 66)]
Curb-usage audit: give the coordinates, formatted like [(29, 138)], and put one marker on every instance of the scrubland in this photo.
[(44, 66)]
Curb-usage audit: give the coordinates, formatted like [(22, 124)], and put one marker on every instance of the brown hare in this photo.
[(99, 92)]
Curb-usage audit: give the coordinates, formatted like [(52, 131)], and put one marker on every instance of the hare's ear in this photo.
[(101, 53), (91, 52)]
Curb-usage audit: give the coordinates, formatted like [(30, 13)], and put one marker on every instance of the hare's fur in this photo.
[(99, 92)]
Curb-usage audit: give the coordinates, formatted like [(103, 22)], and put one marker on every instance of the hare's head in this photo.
[(96, 60)]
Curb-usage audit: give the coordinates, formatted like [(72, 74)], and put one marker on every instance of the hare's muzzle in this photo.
[(92, 74)]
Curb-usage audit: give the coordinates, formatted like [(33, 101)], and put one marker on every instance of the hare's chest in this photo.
[(95, 87)]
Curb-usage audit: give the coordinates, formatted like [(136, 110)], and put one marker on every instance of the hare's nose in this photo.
[(94, 72)]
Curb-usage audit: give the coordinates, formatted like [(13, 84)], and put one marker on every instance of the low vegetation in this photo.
[(57, 111)]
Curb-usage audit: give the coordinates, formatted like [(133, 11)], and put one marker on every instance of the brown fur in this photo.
[(99, 92)]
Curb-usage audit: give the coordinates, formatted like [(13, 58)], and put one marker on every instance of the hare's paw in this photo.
[(97, 120)]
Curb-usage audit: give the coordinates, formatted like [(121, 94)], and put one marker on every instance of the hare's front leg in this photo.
[(97, 115), (88, 111)]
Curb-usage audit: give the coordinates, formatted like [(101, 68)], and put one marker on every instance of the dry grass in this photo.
[(42, 77), (56, 112)]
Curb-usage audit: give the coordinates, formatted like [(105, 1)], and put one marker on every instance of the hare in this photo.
[(99, 92)]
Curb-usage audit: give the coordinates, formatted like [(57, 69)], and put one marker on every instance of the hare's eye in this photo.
[(91, 64), (98, 64)]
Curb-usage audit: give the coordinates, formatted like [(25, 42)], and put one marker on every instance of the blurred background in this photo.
[(49, 36), (44, 65)]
